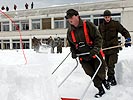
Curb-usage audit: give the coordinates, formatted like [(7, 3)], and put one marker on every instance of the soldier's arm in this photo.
[(122, 30), (72, 46)]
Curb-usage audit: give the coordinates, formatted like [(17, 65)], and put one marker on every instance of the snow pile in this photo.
[(34, 80), (27, 82), (124, 67), (44, 48)]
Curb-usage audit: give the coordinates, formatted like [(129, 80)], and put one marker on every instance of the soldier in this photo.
[(84, 37), (32, 5), (15, 6), (26, 6), (51, 42), (59, 45), (36, 44), (109, 30), (7, 8), (2, 8)]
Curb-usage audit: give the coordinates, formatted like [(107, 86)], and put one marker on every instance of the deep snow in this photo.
[(33, 81)]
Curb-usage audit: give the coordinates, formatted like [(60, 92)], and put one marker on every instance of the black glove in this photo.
[(128, 42), (93, 52), (74, 56)]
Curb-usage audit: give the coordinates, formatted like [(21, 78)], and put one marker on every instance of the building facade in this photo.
[(17, 28)]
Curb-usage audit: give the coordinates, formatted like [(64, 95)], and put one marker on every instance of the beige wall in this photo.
[(127, 19)]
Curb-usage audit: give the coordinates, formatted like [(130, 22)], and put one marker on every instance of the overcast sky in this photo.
[(41, 3)]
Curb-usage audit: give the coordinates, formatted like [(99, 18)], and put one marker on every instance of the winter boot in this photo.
[(106, 84), (100, 93), (112, 80)]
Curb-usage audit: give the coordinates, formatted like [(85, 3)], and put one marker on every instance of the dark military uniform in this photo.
[(59, 45), (51, 43), (89, 64), (109, 32), (36, 44)]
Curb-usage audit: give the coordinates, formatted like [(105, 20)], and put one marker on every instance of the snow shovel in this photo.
[(69, 99), (69, 74), (61, 63), (93, 75), (117, 46)]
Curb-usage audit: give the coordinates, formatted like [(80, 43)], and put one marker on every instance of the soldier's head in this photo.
[(73, 17), (34, 37), (58, 38), (107, 15)]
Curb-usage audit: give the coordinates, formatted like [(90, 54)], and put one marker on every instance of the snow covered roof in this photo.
[(79, 7)]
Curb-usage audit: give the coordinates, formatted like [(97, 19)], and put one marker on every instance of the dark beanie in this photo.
[(107, 13), (70, 13)]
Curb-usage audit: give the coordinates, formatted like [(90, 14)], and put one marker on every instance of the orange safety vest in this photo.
[(87, 38)]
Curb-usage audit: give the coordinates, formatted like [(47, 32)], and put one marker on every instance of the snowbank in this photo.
[(33, 81)]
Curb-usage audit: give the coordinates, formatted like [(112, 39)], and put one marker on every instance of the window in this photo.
[(16, 44), (116, 16), (36, 24), (46, 23), (25, 25), (98, 21), (5, 26), (0, 44), (97, 15), (26, 44), (15, 26), (59, 23), (22, 25), (67, 24), (6, 44), (0, 26), (86, 17)]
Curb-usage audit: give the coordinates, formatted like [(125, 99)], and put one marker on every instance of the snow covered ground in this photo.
[(34, 81)]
